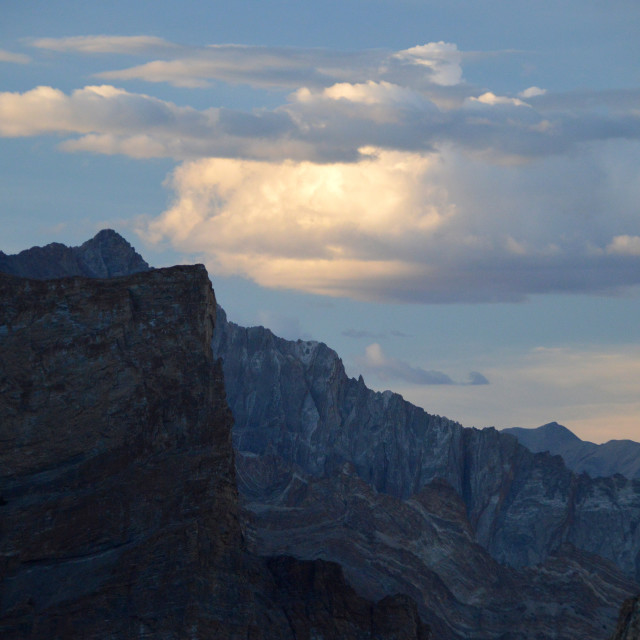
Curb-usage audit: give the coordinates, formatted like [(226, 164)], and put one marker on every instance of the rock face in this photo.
[(598, 460), (117, 485), (106, 255), (415, 503), (629, 621)]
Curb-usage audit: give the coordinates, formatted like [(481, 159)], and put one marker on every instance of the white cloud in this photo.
[(532, 92), (402, 226), (366, 182), (95, 109), (625, 245), (106, 44), (18, 58), (442, 58), (492, 99)]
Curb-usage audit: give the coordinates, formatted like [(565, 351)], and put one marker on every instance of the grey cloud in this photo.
[(476, 378), (362, 333), (386, 368)]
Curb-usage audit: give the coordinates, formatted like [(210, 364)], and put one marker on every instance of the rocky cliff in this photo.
[(598, 460), (117, 484), (489, 538)]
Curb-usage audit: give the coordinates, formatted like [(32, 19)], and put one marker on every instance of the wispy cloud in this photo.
[(106, 44), (376, 362), (17, 58), (363, 333)]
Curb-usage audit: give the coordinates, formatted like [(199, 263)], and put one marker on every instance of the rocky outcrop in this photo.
[(118, 501), (106, 255), (598, 460), (412, 502), (629, 621)]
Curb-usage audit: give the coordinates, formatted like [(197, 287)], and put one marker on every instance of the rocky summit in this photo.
[(106, 255), (117, 484)]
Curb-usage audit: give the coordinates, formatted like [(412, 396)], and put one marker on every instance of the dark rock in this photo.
[(106, 255), (629, 621), (119, 503)]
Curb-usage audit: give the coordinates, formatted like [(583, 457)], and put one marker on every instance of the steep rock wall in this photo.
[(118, 502)]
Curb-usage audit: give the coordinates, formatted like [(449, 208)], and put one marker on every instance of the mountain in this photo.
[(118, 496), (106, 255), (487, 537), (598, 460), (490, 539)]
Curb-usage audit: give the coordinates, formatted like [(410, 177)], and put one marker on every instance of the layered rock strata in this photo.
[(119, 513)]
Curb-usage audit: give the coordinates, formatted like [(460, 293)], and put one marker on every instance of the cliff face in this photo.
[(411, 502), (117, 487)]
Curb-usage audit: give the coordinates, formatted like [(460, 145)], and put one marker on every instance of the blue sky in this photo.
[(446, 192)]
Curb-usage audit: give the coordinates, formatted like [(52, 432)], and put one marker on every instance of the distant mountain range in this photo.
[(598, 460), (490, 539)]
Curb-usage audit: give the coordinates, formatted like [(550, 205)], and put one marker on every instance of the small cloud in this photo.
[(18, 58), (105, 44), (441, 58), (399, 334), (385, 368), (532, 92), (625, 245), (492, 99), (362, 333), (476, 378)]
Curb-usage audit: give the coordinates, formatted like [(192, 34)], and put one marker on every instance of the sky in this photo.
[(446, 193)]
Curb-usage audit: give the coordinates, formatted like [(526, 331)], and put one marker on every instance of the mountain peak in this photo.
[(105, 255), (108, 254)]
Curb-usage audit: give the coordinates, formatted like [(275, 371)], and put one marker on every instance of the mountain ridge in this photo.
[(330, 469), (598, 460)]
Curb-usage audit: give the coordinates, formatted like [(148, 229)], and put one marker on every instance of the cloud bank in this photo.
[(382, 176)]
